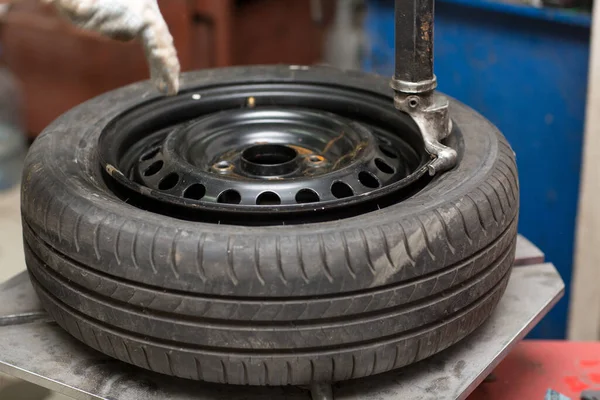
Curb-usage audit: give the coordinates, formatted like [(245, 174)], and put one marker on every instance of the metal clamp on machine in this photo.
[(414, 82)]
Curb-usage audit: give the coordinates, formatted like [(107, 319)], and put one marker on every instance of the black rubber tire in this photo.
[(269, 305)]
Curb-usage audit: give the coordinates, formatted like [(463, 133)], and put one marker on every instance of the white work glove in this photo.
[(126, 20)]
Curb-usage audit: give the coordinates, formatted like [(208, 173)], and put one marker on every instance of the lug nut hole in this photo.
[(314, 159)]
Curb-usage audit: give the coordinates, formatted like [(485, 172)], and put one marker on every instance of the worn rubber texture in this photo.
[(271, 305)]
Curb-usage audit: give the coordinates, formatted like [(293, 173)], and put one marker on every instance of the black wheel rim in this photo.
[(271, 153)]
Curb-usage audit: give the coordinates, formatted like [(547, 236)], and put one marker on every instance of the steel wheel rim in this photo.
[(178, 133)]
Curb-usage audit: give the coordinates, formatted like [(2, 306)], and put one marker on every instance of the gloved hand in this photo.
[(126, 20)]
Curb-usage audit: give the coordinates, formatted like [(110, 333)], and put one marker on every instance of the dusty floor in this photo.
[(11, 263)]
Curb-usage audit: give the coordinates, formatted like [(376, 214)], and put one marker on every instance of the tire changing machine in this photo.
[(34, 348)]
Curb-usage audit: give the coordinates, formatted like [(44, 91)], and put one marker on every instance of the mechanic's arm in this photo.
[(125, 20)]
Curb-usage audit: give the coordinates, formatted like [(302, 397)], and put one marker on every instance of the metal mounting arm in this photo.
[(414, 82)]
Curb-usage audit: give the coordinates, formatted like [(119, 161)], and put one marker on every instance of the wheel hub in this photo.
[(267, 157)]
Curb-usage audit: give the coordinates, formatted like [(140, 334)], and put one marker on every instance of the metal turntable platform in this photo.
[(34, 348)]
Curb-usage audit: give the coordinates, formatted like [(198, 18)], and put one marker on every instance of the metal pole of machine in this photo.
[(414, 45), (414, 82)]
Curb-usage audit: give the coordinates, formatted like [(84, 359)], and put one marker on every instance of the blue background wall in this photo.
[(524, 69)]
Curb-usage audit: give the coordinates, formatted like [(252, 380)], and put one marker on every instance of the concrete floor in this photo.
[(11, 263)]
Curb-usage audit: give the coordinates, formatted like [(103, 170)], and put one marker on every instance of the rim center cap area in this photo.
[(269, 160)]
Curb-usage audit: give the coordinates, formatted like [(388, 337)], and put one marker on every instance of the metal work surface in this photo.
[(34, 348), (527, 253)]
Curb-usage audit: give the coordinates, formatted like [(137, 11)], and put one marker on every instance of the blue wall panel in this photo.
[(528, 75)]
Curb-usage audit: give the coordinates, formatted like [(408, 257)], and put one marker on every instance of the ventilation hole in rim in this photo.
[(368, 180), (383, 166), (169, 181), (388, 150), (230, 197), (307, 196), (149, 155), (341, 190), (154, 168), (195, 191), (268, 199)]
